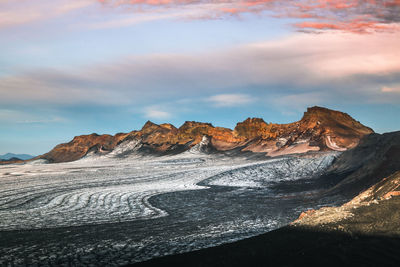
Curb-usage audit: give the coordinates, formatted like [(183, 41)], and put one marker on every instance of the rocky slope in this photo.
[(319, 129), (81, 145), (376, 157), (374, 211)]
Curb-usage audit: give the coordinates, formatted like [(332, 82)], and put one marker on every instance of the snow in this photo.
[(332, 145), (298, 148), (200, 147), (125, 148), (275, 170), (101, 189)]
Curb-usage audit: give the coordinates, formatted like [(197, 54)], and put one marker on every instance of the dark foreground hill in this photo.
[(294, 246)]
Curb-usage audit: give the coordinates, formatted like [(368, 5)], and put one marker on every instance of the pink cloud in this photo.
[(350, 26), (387, 89), (344, 15), (357, 16)]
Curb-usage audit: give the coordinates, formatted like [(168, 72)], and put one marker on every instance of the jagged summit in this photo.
[(149, 124), (192, 124), (254, 121), (319, 129), (168, 126), (252, 128)]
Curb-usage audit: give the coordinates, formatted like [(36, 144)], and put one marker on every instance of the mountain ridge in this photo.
[(9, 156), (320, 129)]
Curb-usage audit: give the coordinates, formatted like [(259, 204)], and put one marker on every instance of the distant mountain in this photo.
[(320, 129), (10, 156)]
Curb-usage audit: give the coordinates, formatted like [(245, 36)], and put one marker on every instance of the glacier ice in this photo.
[(121, 187)]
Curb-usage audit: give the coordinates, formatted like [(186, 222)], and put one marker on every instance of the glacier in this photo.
[(124, 207)]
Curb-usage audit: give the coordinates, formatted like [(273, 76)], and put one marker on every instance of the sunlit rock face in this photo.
[(320, 129), (373, 211), (81, 145)]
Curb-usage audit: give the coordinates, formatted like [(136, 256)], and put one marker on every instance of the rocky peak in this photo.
[(194, 124), (338, 128), (149, 125), (320, 113), (320, 110), (254, 121), (192, 131), (329, 116), (168, 126), (80, 145), (251, 128)]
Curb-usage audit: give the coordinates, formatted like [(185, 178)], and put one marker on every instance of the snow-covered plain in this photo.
[(141, 207)]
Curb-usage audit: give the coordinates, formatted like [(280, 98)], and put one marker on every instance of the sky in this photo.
[(72, 67)]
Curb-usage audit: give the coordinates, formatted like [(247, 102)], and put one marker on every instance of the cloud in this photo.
[(387, 89), (129, 21), (154, 112), (344, 15), (230, 100), (57, 87), (23, 117), (347, 64), (310, 15), (21, 12)]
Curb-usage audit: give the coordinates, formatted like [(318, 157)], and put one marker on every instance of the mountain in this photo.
[(320, 129), (9, 156), (81, 145)]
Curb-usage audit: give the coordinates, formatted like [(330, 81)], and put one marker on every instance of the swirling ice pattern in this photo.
[(47, 196), (109, 190)]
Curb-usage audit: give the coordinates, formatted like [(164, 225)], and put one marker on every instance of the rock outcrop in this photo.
[(81, 145), (319, 129), (374, 211)]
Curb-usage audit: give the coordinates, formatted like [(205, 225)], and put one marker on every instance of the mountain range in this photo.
[(320, 129), (11, 156)]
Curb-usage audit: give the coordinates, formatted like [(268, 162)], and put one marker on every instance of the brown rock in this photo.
[(80, 145), (391, 194), (319, 129), (306, 213)]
